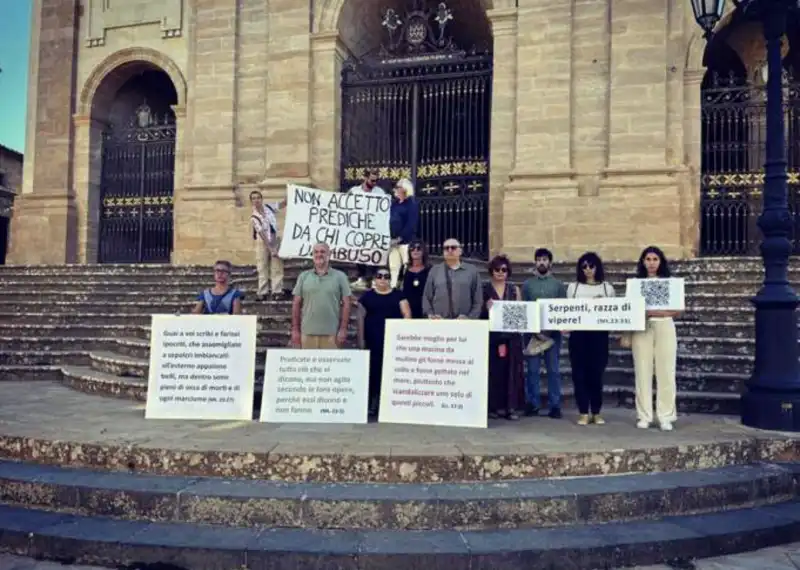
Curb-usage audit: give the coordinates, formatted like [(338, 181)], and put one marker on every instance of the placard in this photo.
[(315, 386), (202, 367), (598, 314), (354, 225), (660, 294), (514, 317), (435, 372)]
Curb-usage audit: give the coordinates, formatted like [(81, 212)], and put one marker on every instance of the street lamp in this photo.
[(772, 397)]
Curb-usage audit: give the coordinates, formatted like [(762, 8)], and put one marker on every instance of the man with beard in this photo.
[(369, 186), (543, 285)]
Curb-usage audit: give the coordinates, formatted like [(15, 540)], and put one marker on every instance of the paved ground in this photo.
[(778, 558)]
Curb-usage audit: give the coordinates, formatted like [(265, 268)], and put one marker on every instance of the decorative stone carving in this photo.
[(105, 15)]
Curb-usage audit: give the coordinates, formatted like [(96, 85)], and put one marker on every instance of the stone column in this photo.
[(504, 117), (692, 148), (44, 228), (88, 168)]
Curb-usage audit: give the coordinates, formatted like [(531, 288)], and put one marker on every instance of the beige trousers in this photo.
[(398, 257), (656, 345), (318, 342), (270, 269)]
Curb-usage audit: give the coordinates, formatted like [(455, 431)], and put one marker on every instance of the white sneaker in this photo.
[(666, 426), (641, 424)]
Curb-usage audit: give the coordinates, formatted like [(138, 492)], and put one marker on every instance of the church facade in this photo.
[(602, 125)]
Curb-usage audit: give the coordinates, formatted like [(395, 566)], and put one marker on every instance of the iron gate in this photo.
[(733, 152), (137, 190), (421, 109)]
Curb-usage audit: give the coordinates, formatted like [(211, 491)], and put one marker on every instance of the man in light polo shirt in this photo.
[(321, 305)]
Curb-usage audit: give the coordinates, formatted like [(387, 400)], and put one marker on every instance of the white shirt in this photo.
[(377, 190), (266, 221), (586, 291)]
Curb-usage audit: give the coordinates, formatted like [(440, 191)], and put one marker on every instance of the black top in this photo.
[(413, 287), (378, 308)]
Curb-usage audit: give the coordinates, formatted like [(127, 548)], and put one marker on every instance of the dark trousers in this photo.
[(588, 358), (375, 374)]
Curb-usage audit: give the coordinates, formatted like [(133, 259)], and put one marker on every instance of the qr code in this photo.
[(655, 292), (515, 317)]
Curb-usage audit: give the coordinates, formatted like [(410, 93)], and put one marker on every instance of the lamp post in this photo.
[(772, 397)]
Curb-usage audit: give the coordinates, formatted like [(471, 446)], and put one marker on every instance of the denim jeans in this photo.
[(532, 377)]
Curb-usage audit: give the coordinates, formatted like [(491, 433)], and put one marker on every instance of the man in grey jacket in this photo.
[(453, 289)]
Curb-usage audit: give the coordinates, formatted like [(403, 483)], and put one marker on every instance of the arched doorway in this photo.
[(138, 170), (416, 103), (734, 138)]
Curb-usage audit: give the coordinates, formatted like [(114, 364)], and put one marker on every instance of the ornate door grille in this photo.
[(734, 147), (137, 190), (421, 109)]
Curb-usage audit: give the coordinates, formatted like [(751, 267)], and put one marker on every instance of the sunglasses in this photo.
[(587, 266), (415, 247), (503, 269), (382, 275), (451, 247), (220, 270)]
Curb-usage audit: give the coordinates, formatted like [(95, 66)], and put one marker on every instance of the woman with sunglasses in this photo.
[(588, 350), (375, 306), (415, 276), (506, 385)]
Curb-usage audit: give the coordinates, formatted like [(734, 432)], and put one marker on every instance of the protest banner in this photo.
[(202, 367), (435, 373), (355, 226), (660, 294), (514, 317), (600, 314), (315, 386)]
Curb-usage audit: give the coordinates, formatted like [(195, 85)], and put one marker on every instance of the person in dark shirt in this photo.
[(403, 219), (415, 276), (375, 306), (222, 298)]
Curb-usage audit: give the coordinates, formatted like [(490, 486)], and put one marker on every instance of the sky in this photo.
[(15, 29)]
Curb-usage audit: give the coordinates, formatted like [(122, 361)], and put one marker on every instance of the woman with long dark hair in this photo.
[(656, 347), (588, 350), (415, 275)]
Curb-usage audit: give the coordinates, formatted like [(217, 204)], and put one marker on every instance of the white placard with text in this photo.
[(202, 367), (599, 314), (435, 372), (514, 317), (315, 386), (355, 226), (660, 294)]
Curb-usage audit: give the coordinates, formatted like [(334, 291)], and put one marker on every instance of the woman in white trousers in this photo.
[(402, 226), (655, 349)]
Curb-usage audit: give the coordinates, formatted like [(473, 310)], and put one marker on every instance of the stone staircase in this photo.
[(88, 326)]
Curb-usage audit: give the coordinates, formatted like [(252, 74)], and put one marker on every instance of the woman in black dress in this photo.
[(375, 306), (415, 276)]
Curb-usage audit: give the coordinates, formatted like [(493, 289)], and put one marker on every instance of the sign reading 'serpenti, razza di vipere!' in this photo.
[(601, 314), (202, 367), (355, 226)]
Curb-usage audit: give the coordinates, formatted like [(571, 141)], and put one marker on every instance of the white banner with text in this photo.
[(315, 386), (600, 314), (202, 367), (355, 226), (514, 317), (435, 372)]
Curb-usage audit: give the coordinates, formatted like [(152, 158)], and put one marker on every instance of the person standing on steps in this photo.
[(264, 225), (588, 350), (657, 344), (321, 305), (222, 298), (402, 226), (453, 289), (415, 276), (543, 285), (368, 186)]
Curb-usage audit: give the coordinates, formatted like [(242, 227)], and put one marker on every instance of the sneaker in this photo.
[(598, 420), (531, 411), (555, 413), (666, 426), (641, 424), (583, 420), (359, 284)]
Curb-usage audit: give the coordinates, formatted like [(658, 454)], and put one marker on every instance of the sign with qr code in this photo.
[(599, 314), (434, 373), (659, 294), (514, 317)]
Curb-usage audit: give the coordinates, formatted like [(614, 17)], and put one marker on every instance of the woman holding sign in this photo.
[(375, 306), (588, 350)]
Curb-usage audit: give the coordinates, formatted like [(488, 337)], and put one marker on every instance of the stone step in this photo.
[(92, 381), (113, 542), (363, 506)]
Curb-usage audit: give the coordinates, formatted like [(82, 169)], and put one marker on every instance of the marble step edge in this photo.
[(405, 506), (100, 540)]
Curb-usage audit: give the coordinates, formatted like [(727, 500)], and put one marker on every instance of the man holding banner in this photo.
[(368, 186), (264, 225)]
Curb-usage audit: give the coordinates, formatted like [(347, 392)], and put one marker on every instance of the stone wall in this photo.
[(594, 138)]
